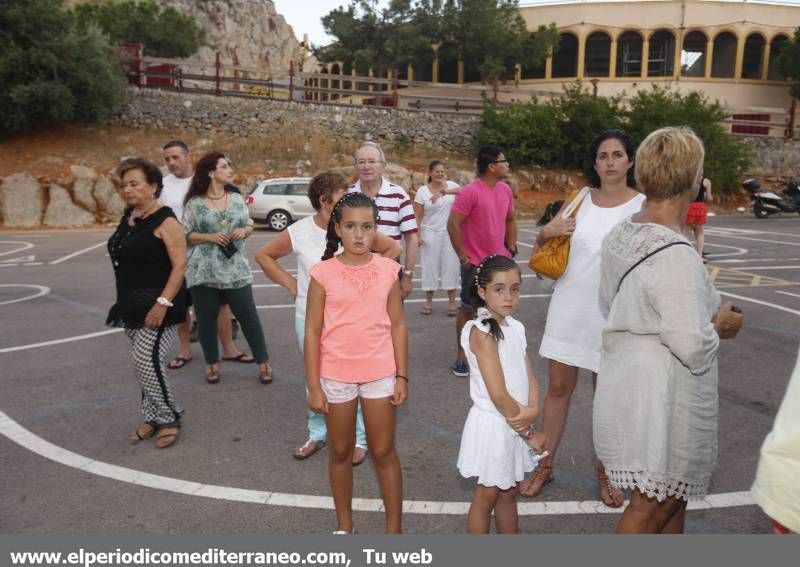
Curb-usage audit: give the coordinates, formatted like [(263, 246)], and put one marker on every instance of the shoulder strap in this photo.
[(646, 256), (575, 204)]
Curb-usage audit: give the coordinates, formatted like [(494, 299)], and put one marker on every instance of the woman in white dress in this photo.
[(572, 335), (440, 265), (656, 405)]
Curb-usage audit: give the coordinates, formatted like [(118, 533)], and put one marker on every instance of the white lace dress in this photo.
[(656, 404), (574, 322), (490, 449)]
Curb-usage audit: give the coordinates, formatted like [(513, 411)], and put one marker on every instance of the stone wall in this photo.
[(774, 157), (83, 198), (256, 117)]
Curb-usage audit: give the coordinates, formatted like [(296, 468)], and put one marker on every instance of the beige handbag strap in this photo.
[(575, 204)]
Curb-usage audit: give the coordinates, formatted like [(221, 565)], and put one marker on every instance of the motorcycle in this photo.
[(766, 203)]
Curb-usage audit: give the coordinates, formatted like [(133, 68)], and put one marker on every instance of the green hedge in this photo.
[(559, 132)]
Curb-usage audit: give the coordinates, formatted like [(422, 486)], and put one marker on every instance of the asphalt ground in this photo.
[(70, 398)]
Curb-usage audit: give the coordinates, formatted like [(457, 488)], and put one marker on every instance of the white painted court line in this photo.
[(759, 302), (40, 291), (765, 268), (29, 440), (755, 239), (739, 251), (70, 256), (60, 341), (25, 246), (744, 261), (787, 293)]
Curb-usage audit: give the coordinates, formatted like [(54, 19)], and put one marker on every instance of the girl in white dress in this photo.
[(573, 334), (505, 399)]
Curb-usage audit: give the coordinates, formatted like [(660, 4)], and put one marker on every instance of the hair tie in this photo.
[(483, 313)]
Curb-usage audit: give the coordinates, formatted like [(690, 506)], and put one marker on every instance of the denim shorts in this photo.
[(467, 281)]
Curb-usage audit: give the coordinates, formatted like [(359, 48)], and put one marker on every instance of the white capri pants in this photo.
[(439, 262)]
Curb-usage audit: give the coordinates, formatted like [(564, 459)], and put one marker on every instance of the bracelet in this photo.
[(401, 376)]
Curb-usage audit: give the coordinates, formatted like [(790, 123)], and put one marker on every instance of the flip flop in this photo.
[(143, 432), (178, 362), (426, 310), (265, 377), (166, 436), (243, 358)]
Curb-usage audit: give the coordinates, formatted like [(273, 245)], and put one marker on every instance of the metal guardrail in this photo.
[(292, 86)]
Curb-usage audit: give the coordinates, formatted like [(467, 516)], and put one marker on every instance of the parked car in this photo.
[(279, 202)]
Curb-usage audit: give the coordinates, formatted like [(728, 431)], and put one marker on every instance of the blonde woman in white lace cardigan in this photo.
[(656, 404)]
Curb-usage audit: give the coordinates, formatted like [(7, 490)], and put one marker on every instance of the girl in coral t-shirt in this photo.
[(356, 346)]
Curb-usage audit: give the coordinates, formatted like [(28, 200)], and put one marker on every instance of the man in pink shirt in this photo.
[(481, 224)]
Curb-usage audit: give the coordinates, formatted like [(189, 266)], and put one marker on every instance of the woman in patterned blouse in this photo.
[(216, 223)]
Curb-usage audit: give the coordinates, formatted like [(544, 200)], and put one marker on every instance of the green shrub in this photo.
[(560, 133), (529, 133), (582, 117), (50, 72), (726, 157), (164, 31)]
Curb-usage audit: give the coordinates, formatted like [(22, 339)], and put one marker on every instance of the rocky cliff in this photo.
[(245, 32)]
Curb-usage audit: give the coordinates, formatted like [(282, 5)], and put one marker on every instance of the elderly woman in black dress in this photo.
[(148, 252)]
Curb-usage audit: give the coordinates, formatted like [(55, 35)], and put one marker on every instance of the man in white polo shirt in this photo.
[(395, 211), (179, 162)]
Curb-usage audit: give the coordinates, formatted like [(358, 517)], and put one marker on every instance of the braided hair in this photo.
[(349, 201), (482, 275)]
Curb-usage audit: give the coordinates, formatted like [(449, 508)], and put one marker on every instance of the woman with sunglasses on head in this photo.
[(572, 335), (216, 223)]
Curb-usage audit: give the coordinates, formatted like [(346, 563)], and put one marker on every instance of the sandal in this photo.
[(178, 362), (426, 310), (452, 312), (605, 482), (166, 436), (359, 455), (212, 376), (265, 374), (543, 472), (241, 357), (308, 448), (143, 432)]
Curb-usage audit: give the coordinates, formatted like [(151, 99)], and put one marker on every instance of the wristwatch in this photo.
[(409, 273), (164, 301)]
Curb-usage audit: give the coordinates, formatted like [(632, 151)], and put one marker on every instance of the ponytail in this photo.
[(482, 275)]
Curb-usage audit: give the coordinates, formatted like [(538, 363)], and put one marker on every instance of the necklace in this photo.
[(216, 198)]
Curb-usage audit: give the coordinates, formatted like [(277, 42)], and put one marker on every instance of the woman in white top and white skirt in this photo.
[(440, 265), (573, 334)]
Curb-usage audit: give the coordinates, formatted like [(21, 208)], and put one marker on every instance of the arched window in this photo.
[(693, 54), (661, 57), (335, 83), (629, 55), (324, 84), (723, 63), (565, 59), (774, 50), (753, 56), (597, 62)]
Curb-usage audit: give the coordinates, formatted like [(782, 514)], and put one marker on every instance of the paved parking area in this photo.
[(70, 398)]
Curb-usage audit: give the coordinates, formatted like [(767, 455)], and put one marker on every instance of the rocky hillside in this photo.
[(245, 32)]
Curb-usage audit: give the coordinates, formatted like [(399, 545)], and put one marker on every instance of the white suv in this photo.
[(281, 201)]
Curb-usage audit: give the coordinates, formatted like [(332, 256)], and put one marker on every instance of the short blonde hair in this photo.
[(669, 163)]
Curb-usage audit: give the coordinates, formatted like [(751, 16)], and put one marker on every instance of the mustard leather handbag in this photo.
[(550, 260)]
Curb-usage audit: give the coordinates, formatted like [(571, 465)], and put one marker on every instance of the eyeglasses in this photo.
[(367, 162), (500, 161)]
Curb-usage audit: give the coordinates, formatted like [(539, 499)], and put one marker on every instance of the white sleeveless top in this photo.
[(573, 333), (308, 242)]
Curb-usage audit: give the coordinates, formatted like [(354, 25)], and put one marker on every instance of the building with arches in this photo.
[(725, 49)]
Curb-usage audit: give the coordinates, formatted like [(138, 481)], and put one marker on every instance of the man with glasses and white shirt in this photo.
[(396, 213)]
